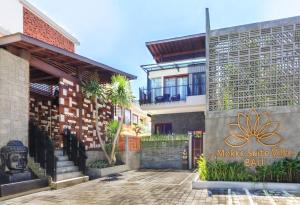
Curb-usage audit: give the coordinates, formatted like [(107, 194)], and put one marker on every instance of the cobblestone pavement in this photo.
[(151, 187)]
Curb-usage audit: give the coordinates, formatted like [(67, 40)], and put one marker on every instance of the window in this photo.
[(155, 88), (199, 83), (163, 128), (176, 86), (127, 118), (135, 119), (117, 112)]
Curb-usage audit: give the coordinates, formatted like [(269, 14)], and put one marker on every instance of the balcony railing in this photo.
[(170, 93)]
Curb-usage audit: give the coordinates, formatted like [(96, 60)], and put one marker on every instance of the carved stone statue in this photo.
[(14, 156), (13, 163)]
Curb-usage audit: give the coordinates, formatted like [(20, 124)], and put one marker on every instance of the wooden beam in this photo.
[(36, 50), (34, 80), (22, 53), (183, 53), (47, 68)]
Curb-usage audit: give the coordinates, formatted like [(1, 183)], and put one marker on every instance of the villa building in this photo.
[(175, 95), (41, 100)]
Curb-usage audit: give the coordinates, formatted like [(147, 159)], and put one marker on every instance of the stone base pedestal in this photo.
[(11, 177)]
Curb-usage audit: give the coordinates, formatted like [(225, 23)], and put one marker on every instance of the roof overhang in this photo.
[(186, 47), (58, 56)]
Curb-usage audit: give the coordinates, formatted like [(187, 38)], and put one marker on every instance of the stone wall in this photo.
[(14, 98), (93, 155), (181, 122), (37, 28), (163, 155), (278, 136)]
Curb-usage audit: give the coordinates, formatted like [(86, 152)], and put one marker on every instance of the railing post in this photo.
[(190, 150), (126, 150)]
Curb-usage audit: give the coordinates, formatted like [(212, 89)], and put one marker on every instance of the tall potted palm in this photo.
[(119, 93)]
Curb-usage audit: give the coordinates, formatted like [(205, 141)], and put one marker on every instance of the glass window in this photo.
[(170, 86), (156, 88), (135, 119), (176, 86), (117, 112), (203, 84), (199, 83), (127, 118), (163, 128), (182, 83)]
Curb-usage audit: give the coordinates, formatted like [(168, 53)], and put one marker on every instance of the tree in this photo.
[(119, 93)]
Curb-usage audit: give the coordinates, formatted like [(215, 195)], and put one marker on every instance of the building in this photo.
[(239, 84), (134, 117), (253, 74), (40, 90), (175, 95)]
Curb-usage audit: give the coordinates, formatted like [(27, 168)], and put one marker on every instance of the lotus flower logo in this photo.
[(253, 124)]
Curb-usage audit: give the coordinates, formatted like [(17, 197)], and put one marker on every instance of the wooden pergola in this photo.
[(48, 63)]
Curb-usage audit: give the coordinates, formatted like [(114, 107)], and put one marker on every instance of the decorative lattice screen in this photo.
[(256, 68)]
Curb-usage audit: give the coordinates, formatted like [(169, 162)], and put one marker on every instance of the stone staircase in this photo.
[(67, 174)]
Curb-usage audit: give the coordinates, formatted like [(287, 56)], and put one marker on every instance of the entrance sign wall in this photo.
[(253, 66), (256, 137)]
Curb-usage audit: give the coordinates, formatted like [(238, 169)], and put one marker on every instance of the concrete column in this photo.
[(126, 150), (190, 150), (14, 98)]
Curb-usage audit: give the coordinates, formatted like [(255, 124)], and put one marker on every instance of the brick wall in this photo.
[(42, 110), (134, 143), (35, 27), (69, 116)]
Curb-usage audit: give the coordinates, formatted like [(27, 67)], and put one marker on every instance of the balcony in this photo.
[(170, 94), (173, 99)]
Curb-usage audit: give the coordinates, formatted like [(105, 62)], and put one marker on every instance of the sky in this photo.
[(114, 32)]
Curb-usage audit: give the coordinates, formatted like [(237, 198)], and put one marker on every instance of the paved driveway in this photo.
[(151, 187)]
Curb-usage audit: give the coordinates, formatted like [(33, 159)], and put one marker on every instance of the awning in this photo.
[(180, 48), (66, 61)]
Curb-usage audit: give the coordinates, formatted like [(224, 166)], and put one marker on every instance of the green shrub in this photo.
[(202, 168), (99, 164), (164, 138), (284, 170)]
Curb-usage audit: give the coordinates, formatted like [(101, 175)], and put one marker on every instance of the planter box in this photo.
[(95, 173), (197, 184)]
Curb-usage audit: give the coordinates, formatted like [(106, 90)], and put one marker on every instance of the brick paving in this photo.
[(151, 187)]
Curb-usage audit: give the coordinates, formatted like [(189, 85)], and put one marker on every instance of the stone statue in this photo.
[(13, 156)]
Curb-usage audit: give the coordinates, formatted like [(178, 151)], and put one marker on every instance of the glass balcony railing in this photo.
[(170, 93)]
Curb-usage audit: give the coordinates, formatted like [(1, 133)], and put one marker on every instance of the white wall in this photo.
[(175, 71), (11, 17)]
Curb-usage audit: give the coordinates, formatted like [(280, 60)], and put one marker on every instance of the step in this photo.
[(64, 164), (62, 158), (68, 175), (69, 182), (67, 169), (59, 153)]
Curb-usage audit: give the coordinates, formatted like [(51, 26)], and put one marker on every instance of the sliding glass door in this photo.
[(182, 86), (156, 88), (170, 86), (199, 83), (176, 87)]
